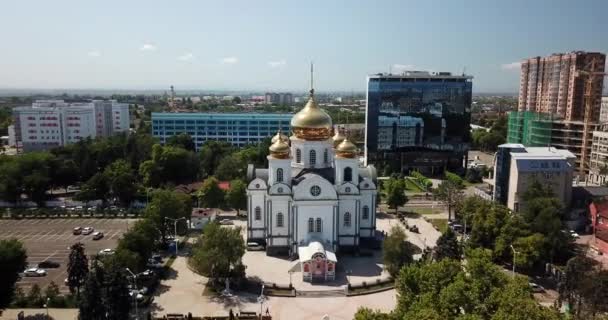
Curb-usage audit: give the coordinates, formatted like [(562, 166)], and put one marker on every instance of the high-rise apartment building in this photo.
[(418, 121), (51, 123), (238, 129), (604, 110), (556, 90), (555, 85)]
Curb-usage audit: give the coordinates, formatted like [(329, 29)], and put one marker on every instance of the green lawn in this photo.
[(411, 186), (440, 224), (424, 210)]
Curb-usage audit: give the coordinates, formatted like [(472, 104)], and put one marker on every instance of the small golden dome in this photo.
[(278, 136), (279, 149), (346, 149), (338, 137), (311, 123)]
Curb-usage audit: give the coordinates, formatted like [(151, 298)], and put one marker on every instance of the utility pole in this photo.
[(175, 229)]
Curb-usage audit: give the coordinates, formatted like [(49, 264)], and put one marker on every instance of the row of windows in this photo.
[(208, 122), (281, 219), (212, 133), (312, 156)]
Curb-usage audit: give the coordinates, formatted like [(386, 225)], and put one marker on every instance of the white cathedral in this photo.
[(315, 198)]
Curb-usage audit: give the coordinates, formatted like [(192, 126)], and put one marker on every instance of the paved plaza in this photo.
[(51, 239), (183, 293)]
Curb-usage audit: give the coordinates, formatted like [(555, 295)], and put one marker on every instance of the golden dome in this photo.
[(279, 149), (346, 149), (311, 123), (338, 137), (278, 136)]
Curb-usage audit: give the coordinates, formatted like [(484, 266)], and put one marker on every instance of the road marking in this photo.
[(43, 235)]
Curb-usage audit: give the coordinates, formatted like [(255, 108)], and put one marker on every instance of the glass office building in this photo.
[(238, 129), (418, 121)]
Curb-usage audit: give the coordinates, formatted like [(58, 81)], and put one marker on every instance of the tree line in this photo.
[(122, 168)]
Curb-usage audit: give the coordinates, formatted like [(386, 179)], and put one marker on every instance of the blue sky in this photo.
[(267, 45)]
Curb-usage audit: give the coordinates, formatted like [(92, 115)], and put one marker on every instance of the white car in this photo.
[(226, 222), (574, 234), (34, 272), (87, 230), (106, 252), (138, 296)]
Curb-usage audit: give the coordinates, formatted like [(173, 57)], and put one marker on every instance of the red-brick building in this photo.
[(598, 210)]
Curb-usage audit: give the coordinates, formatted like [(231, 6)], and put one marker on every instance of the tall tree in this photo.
[(117, 299), (395, 193), (211, 153), (219, 251), (447, 246), (13, 260), (210, 195), (449, 192), (167, 204), (78, 267), (395, 250), (121, 181), (182, 140), (91, 303), (236, 197)]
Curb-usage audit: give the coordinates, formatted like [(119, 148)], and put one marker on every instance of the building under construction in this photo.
[(559, 103)]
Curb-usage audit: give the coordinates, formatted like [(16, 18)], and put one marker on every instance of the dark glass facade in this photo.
[(418, 122)]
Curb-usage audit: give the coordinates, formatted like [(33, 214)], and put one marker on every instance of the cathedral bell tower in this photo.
[(279, 160)]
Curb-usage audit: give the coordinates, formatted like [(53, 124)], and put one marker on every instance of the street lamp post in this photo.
[(134, 276), (175, 229), (261, 300), (46, 305), (290, 273), (514, 253)]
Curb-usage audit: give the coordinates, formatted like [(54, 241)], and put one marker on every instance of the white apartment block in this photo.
[(604, 110), (52, 123)]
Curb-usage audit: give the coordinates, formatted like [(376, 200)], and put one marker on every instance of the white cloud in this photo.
[(511, 66), (148, 47), (229, 60), (94, 54), (277, 64), (186, 57)]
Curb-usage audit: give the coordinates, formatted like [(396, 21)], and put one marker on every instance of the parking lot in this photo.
[(51, 238)]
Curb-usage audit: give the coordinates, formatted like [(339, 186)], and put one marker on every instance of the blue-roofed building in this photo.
[(238, 129)]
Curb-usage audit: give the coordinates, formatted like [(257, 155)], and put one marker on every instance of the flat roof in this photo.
[(419, 75), (184, 115)]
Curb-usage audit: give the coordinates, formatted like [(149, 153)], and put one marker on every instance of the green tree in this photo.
[(121, 181), (210, 195), (78, 267), (236, 196), (182, 140), (447, 246), (34, 297), (91, 302), (211, 153), (53, 296), (10, 180), (395, 193), (218, 252), (396, 251), (364, 313), (529, 250), (117, 301), (449, 192), (13, 260), (231, 167), (137, 245), (167, 204), (96, 188)]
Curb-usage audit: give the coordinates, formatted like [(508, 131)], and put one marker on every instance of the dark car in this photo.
[(48, 264), (157, 258)]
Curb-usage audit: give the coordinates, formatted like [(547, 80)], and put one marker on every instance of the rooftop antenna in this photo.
[(464, 70)]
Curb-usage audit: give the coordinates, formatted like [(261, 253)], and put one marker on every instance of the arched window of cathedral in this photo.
[(325, 156), (348, 174), (298, 156), (279, 219), (311, 225), (347, 219), (279, 175), (313, 157), (258, 213), (319, 225), (365, 213)]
